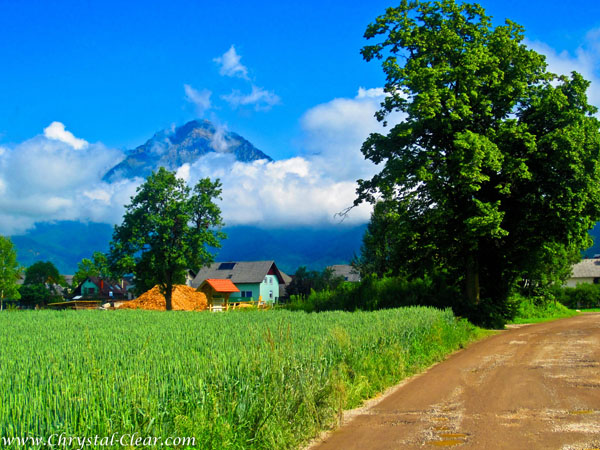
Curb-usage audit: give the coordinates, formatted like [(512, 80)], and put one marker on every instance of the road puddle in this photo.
[(453, 435), (582, 411), (449, 439), (447, 443)]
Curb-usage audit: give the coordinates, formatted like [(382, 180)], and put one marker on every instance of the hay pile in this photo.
[(183, 298)]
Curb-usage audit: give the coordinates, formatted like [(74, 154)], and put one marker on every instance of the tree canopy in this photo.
[(166, 229), (10, 270), (43, 272), (41, 281), (493, 174)]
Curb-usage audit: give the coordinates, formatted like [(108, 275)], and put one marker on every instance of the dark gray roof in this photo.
[(587, 268), (346, 271), (283, 286), (237, 272)]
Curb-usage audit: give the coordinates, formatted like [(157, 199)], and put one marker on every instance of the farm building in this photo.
[(218, 291), (254, 279), (98, 288), (585, 271), (346, 271)]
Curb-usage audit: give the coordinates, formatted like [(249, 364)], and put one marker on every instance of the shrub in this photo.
[(581, 296)]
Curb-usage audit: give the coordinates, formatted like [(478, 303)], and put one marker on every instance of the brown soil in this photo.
[(184, 298), (530, 387)]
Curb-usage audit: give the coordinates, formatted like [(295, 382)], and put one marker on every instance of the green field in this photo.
[(260, 379)]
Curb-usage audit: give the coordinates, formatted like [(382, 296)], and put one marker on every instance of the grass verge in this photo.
[(532, 311)]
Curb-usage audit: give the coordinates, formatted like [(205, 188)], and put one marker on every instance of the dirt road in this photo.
[(532, 387)]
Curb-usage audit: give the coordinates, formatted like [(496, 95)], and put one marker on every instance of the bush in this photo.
[(372, 294), (581, 296), (393, 292), (537, 309)]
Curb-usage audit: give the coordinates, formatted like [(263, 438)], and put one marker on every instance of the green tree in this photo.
[(494, 169), (382, 251), (166, 230), (37, 294), (40, 285), (305, 281), (10, 270), (43, 272)]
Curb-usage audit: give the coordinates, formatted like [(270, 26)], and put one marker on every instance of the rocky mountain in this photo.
[(185, 144)]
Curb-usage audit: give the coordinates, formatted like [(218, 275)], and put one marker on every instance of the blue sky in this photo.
[(285, 75)]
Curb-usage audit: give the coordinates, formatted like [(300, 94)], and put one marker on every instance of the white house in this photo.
[(585, 271)]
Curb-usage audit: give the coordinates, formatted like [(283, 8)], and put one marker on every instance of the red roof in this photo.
[(222, 285)]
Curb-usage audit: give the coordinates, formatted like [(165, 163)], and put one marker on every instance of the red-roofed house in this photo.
[(217, 291)]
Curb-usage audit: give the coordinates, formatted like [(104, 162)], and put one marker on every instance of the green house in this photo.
[(255, 279)]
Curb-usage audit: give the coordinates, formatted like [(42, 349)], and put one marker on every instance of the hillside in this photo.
[(66, 243)]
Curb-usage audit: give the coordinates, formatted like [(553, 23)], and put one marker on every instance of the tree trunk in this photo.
[(168, 296), (472, 279)]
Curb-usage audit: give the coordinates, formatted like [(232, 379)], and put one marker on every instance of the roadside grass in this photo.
[(584, 310), (239, 380), (532, 311)]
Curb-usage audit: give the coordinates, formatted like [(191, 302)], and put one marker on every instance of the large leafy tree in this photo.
[(166, 229), (494, 171), (10, 270)]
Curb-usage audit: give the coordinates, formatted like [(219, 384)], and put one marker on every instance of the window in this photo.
[(246, 294), (265, 280), (226, 266), (270, 280), (271, 295)]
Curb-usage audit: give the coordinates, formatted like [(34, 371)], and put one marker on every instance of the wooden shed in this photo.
[(217, 292)]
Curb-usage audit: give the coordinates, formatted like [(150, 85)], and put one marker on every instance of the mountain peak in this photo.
[(171, 148)]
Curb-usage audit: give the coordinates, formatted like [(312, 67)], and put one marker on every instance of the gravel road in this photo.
[(529, 387)]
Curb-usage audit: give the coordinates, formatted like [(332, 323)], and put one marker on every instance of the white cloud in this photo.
[(584, 60), (262, 99), (201, 99), (46, 179), (230, 65), (336, 130), (280, 193), (57, 131), (304, 190)]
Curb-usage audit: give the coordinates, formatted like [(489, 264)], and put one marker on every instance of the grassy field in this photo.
[(262, 379)]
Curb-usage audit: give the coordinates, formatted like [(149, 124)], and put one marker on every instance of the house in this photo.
[(256, 280), (189, 277), (217, 291), (283, 286), (346, 271), (585, 271), (101, 289)]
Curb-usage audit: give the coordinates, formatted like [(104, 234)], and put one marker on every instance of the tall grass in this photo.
[(233, 380), (539, 309)]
